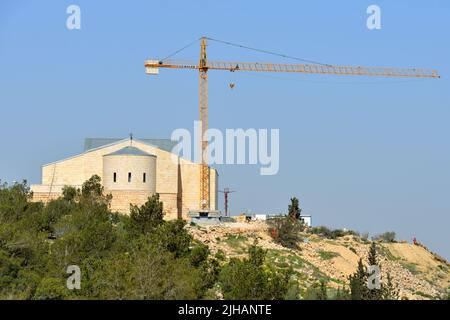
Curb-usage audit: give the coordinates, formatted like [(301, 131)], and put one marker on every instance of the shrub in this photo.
[(220, 255), (70, 193), (51, 289), (327, 255), (364, 236), (235, 241), (388, 236), (286, 231), (318, 291), (342, 294), (199, 254), (331, 234)]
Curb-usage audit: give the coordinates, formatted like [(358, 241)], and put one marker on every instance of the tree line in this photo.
[(136, 256)]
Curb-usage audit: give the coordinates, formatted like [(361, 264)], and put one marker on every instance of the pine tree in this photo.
[(390, 292), (294, 209), (342, 294), (358, 283), (374, 294), (372, 258), (338, 294), (322, 294)]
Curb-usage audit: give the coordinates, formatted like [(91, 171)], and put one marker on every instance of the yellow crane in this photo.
[(204, 65)]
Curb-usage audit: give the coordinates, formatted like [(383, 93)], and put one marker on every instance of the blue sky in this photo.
[(370, 154)]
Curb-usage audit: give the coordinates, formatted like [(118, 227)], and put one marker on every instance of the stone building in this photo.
[(131, 171)]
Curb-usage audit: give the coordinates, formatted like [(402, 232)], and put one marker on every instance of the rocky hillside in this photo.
[(417, 273)]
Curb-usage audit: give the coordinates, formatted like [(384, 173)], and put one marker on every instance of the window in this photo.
[(129, 176), (144, 177), (114, 177)]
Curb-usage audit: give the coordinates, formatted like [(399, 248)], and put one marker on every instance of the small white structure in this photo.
[(261, 217), (206, 217), (307, 220)]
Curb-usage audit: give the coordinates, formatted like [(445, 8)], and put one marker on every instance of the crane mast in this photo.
[(152, 68), (203, 106)]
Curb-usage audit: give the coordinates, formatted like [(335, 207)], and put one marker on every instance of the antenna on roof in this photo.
[(131, 139)]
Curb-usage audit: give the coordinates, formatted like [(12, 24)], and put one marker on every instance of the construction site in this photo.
[(133, 170)]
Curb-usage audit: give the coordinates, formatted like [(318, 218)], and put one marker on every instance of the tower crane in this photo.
[(203, 66)]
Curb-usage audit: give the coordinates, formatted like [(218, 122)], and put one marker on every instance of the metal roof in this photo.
[(130, 151), (93, 143)]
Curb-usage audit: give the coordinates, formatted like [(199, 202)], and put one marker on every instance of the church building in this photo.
[(131, 170)]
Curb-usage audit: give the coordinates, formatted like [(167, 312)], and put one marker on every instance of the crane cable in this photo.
[(269, 52), (179, 50), (248, 48)]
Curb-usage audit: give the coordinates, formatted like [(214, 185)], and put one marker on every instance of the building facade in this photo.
[(131, 171)]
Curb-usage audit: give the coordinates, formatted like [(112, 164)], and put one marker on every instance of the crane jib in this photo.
[(152, 65)]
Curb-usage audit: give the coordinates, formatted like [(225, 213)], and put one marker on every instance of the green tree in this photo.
[(342, 294), (71, 193), (317, 291), (147, 273), (148, 216), (51, 289), (372, 258), (86, 232), (249, 278), (358, 283), (323, 295), (173, 237), (199, 254), (9, 268), (46, 219), (389, 290), (294, 210), (92, 188), (92, 192), (388, 236), (14, 202)]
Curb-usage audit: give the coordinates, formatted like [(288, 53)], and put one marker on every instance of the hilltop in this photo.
[(415, 271)]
